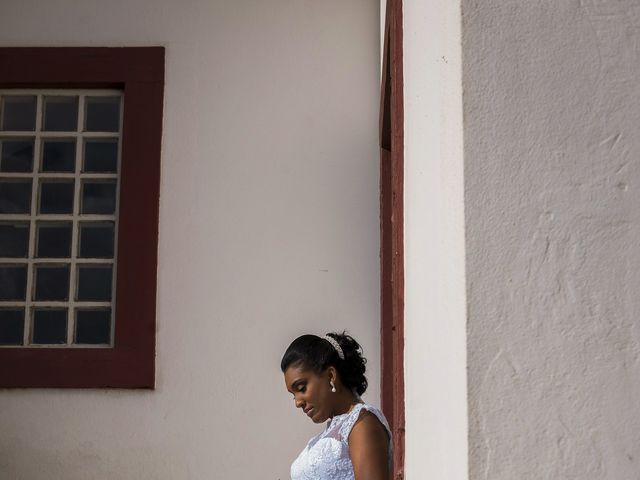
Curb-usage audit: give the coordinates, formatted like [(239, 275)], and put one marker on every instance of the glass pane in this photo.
[(103, 114), (101, 156), (19, 113), (13, 282), (96, 240), (16, 155), (99, 197), (60, 114), (93, 326), (53, 240), (49, 326), (11, 326), (14, 239), (58, 155), (56, 196), (52, 282), (15, 196), (94, 283)]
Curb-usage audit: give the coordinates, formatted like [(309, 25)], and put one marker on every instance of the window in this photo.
[(80, 133), (57, 231)]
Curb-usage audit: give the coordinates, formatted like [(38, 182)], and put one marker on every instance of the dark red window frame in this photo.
[(139, 73), (392, 232)]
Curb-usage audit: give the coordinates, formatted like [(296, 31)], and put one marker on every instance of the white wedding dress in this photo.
[(326, 456)]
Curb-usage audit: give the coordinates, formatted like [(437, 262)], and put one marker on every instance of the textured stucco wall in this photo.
[(552, 189), (268, 229)]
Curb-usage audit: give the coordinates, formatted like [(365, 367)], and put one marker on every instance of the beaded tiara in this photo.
[(334, 343)]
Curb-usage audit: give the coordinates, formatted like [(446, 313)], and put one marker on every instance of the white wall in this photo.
[(268, 229), (552, 109), (435, 314)]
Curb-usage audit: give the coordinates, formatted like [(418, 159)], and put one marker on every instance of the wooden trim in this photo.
[(392, 232), (139, 72)]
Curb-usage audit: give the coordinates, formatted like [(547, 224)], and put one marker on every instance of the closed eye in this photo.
[(298, 385)]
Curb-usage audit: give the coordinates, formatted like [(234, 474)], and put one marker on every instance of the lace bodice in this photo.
[(326, 456)]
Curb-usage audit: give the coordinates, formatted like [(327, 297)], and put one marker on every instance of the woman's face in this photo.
[(311, 392)]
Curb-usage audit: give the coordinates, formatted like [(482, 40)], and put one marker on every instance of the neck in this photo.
[(344, 402)]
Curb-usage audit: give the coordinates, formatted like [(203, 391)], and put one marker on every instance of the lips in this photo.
[(309, 411)]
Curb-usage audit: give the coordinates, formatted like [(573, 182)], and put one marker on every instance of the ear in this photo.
[(332, 373)]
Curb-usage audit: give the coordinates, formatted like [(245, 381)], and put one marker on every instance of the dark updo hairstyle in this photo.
[(317, 354)]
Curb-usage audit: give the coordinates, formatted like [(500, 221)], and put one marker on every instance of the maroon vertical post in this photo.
[(391, 232)]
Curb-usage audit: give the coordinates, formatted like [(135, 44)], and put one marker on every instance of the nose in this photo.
[(299, 402)]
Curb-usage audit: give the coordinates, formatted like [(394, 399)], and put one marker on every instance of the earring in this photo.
[(333, 386)]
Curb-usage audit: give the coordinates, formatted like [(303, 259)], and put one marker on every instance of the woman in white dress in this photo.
[(326, 377)]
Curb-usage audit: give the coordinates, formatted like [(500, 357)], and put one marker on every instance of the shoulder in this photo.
[(365, 419), (367, 425), (370, 447)]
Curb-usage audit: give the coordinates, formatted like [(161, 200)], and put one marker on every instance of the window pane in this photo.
[(14, 239), (13, 282), (99, 197), (15, 196), (52, 282), (101, 156), (16, 155), (96, 240), (53, 240), (93, 326), (58, 155), (60, 114), (103, 114), (94, 283), (49, 326), (56, 196), (11, 326), (18, 113)]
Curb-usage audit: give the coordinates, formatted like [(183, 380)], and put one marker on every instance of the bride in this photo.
[(325, 375)]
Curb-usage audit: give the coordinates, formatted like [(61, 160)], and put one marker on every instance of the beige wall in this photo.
[(435, 295), (268, 229)]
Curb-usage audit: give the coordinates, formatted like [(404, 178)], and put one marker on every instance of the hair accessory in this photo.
[(334, 343), (333, 386)]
